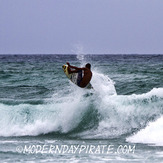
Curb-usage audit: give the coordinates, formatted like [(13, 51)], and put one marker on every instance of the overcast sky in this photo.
[(81, 26)]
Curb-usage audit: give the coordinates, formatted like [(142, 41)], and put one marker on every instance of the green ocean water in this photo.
[(40, 106)]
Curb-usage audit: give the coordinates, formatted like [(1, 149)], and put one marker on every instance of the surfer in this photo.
[(82, 81)]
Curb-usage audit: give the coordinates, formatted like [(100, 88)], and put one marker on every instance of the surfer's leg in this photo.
[(79, 77)]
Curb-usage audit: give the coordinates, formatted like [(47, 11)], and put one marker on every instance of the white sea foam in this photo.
[(103, 84), (152, 134)]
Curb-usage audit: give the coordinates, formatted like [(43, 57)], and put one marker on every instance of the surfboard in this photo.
[(73, 76)]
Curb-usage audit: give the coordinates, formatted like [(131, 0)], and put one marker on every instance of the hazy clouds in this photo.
[(87, 26)]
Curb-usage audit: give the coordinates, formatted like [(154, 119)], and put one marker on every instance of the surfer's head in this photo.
[(88, 65)]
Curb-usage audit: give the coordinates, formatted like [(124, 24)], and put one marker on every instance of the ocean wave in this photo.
[(76, 112)]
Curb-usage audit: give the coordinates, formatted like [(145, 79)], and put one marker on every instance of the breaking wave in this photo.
[(83, 113)]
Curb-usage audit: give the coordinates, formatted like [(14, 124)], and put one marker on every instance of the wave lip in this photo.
[(152, 134)]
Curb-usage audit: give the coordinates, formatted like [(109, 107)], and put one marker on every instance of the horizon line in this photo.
[(84, 54)]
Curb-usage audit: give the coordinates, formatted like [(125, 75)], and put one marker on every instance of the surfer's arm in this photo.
[(76, 68)]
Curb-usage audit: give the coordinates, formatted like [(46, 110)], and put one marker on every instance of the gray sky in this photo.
[(81, 26)]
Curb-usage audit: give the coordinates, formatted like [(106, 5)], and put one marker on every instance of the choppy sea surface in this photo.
[(46, 118)]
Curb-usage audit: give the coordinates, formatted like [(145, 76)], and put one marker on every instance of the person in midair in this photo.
[(82, 80)]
